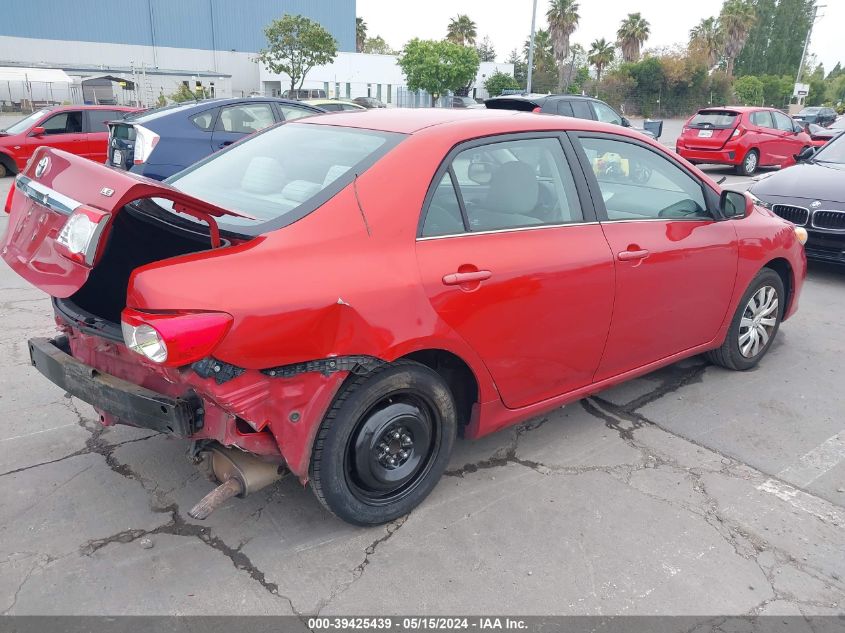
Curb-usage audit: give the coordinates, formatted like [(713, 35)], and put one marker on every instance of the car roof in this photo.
[(319, 102), (191, 107), (535, 97), (469, 121)]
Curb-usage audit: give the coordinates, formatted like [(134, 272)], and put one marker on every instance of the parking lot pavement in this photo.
[(693, 490)]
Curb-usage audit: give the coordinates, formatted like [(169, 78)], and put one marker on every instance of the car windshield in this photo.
[(282, 174), (25, 123), (832, 152), (719, 119), (810, 111)]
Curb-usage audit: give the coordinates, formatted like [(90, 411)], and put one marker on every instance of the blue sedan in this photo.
[(158, 143)]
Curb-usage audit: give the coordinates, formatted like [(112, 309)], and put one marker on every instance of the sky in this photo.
[(508, 23)]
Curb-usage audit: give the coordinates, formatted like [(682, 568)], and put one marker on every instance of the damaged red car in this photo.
[(343, 296)]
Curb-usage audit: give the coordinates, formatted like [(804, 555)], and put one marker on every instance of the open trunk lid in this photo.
[(121, 149), (710, 129), (57, 188)]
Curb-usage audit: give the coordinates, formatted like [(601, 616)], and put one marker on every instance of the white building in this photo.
[(353, 75)]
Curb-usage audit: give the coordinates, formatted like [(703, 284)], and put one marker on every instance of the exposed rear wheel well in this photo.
[(784, 271), (458, 376), (8, 163)]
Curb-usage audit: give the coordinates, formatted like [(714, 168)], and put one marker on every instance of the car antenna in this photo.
[(360, 208)]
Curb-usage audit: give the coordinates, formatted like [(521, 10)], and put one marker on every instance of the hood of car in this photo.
[(810, 181)]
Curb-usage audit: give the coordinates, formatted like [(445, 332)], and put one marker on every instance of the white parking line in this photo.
[(819, 508), (18, 437), (817, 462)]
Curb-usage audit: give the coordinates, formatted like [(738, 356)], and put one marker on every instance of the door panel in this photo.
[(508, 263), (540, 320), (675, 265)]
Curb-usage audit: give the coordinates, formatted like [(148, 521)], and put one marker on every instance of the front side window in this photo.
[(506, 185), (284, 173), (605, 113), (246, 119), (63, 123), (639, 184), (782, 122), (581, 109)]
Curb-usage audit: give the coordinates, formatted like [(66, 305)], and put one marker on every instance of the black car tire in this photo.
[(3, 171), (729, 354), (750, 163), (384, 443)]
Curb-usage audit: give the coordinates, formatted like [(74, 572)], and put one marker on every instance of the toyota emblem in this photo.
[(42, 167)]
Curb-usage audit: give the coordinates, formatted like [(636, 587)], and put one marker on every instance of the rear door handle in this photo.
[(456, 279), (627, 256)]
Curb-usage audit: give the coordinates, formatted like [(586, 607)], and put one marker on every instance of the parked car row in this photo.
[(342, 296)]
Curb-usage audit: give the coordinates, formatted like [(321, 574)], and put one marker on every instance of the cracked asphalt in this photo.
[(691, 491)]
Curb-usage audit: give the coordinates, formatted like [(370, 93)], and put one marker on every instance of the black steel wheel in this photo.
[(384, 443)]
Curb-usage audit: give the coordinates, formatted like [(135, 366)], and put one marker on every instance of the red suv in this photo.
[(745, 137), (347, 309), (80, 130)]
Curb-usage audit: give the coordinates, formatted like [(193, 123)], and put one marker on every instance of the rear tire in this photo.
[(3, 171), (754, 325), (749, 163), (384, 444)]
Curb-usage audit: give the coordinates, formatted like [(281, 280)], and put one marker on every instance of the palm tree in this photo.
[(360, 34), (706, 37), (601, 54), (735, 21), (461, 31), (563, 18), (631, 35)]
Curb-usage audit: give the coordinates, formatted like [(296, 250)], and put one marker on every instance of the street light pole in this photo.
[(807, 41), (530, 70)]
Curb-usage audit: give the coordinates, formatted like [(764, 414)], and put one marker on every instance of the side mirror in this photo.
[(37, 131), (805, 154), (735, 204), (625, 122)]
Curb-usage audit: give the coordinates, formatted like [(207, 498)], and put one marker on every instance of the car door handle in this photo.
[(627, 256), (456, 279)]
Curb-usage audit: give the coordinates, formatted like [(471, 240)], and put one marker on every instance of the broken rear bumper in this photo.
[(122, 399)]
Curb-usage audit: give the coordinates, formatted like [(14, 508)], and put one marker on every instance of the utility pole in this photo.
[(807, 41), (530, 70)]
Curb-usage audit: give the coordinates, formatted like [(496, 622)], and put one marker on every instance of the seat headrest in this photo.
[(513, 188)]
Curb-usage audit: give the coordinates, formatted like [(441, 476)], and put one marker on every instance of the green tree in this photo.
[(753, 60), (563, 19), (520, 68), (486, 51), (706, 40), (836, 72), (736, 19), (777, 90), (183, 93), (438, 67), (749, 90), (631, 35), (295, 45), (461, 30), (499, 81), (360, 34), (545, 76), (601, 54), (376, 45), (791, 22)]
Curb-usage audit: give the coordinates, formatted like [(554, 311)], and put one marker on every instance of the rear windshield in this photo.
[(122, 132), (284, 173), (718, 119)]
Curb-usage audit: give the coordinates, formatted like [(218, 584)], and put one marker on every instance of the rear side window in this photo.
[(564, 107), (505, 185), (284, 173), (97, 119), (710, 119), (245, 118), (204, 120), (761, 118), (581, 110)]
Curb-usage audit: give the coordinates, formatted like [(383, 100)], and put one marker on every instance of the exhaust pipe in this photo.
[(240, 473)]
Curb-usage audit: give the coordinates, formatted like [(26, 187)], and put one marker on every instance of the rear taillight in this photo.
[(80, 235), (145, 142), (738, 131), (9, 196), (537, 109), (174, 338)]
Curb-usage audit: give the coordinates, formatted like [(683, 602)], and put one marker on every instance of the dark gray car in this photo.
[(811, 194)]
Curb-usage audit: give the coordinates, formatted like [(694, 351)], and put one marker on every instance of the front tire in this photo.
[(384, 444), (755, 323), (749, 163)]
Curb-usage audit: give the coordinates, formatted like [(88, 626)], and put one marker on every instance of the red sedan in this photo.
[(745, 137), (80, 130), (406, 276)]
